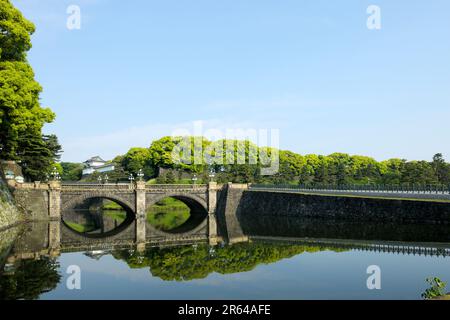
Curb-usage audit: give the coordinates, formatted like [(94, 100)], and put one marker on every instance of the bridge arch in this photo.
[(69, 201), (127, 204), (198, 213), (189, 199)]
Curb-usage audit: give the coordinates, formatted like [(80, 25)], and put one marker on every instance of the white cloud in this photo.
[(118, 142)]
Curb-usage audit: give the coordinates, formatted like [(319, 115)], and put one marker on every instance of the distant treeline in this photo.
[(337, 168)]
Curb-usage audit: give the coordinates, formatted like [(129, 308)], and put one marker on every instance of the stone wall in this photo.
[(33, 202), (9, 214), (342, 208), (231, 213)]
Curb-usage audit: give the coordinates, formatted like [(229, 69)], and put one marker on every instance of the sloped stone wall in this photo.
[(9, 214)]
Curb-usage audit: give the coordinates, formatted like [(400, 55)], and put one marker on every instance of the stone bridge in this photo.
[(44, 239), (49, 201), (231, 212)]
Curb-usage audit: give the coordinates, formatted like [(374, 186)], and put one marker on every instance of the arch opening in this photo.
[(98, 217), (176, 214)]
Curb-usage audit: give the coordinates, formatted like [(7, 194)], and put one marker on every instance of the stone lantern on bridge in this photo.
[(212, 174), (55, 175), (140, 174), (55, 181)]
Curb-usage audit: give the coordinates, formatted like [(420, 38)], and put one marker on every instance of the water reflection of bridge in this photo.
[(38, 241)]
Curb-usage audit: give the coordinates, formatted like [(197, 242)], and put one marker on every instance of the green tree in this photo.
[(441, 169), (38, 155), (308, 170), (71, 171), (341, 168), (21, 116), (393, 171), (418, 172), (170, 177), (161, 152), (136, 159), (15, 33), (337, 168), (322, 174), (364, 169)]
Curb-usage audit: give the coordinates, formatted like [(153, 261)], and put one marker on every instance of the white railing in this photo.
[(32, 186)]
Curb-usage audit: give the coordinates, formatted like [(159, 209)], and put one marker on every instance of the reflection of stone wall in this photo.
[(35, 239), (297, 227), (7, 238)]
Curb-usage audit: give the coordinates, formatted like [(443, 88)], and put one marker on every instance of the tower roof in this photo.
[(96, 159)]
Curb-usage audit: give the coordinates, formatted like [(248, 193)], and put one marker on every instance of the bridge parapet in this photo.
[(90, 187), (238, 186), (113, 186), (31, 186), (177, 187)]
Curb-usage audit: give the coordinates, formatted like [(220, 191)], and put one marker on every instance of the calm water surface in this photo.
[(320, 275), (274, 265)]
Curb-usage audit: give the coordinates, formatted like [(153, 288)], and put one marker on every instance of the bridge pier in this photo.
[(54, 236), (54, 198), (212, 218), (140, 212)]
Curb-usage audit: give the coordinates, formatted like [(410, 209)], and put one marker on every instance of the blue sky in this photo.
[(138, 70)]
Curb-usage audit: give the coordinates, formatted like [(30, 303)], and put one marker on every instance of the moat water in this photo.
[(285, 258)]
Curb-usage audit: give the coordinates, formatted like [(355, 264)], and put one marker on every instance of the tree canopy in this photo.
[(21, 115), (294, 168)]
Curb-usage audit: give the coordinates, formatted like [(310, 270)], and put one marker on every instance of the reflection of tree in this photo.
[(190, 262), (31, 278)]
